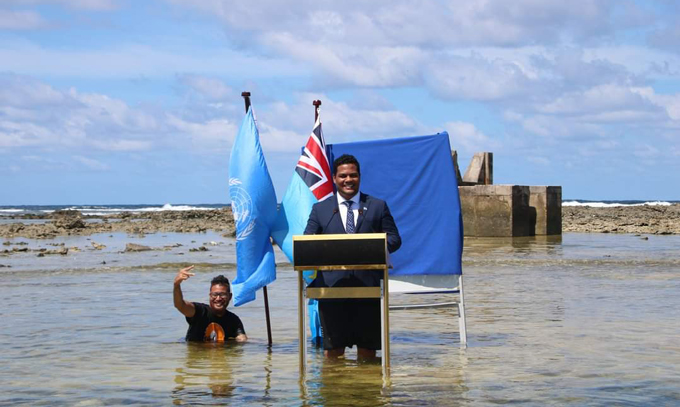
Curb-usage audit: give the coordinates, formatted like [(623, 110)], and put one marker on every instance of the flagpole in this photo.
[(246, 99), (316, 104)]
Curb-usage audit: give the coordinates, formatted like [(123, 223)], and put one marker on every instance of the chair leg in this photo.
[(461, 324), (461, 314)]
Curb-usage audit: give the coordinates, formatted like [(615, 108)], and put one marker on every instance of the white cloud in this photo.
[(122, 145), (542, 126), (633, 117), (554, 130), (20, 20), (645, 151), (401, 23), (107, 111), (211, 88), (24, 92), (13, 134), (274, 139), (545, 77), (352, 123), (639, 60), (44, 163), (342, 121), (36, 114), (667, 37), (670, 103), (476, 78), (600, 98), (356, 65), (467, 138), (91, 163), (485, 50), (214, 135), (141, 59), (94, 5), (465, 50)]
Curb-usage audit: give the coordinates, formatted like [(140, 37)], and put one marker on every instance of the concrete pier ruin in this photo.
[(505, 210)]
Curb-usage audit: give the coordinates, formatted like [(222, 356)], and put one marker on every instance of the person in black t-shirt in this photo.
[(209, 323)]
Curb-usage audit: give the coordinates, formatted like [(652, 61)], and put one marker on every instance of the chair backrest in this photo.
[(425, 284)]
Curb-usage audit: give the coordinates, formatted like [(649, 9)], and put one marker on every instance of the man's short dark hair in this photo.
[(220, 280), (345, 159)]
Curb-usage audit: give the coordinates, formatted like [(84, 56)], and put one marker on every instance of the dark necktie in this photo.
[(349, 227)]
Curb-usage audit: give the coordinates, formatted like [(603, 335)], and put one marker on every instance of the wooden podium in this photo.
[(360, 251)]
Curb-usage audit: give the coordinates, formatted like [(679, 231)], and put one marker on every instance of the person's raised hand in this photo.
[(183, 274)]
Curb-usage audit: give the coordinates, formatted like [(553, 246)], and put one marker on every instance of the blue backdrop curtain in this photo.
[(416, 176)]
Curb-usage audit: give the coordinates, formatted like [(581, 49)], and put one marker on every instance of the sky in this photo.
[(133, 102)]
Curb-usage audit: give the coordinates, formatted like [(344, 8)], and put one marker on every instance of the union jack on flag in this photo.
[(311, 182), (313, 166)]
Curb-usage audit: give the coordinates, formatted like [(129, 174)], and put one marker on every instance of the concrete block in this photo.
[(473, 174), (480, 170), (547, 201), (454, 157), (497, 210)]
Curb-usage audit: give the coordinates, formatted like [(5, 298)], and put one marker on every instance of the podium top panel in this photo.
[(339, 250)]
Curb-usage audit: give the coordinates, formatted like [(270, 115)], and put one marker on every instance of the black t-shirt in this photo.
[(205, 326)]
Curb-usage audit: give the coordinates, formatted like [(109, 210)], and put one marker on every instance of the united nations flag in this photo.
[(253, 204)]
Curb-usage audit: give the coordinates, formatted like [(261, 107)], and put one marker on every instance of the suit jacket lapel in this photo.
[(363, 208)]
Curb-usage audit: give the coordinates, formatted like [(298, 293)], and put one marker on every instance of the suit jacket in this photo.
[(374, 217)]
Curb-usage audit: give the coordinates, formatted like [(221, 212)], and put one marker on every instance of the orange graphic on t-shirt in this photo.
[(214, 333)]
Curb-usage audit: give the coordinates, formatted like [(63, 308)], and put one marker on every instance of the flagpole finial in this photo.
[(316, 104), (246, 99)]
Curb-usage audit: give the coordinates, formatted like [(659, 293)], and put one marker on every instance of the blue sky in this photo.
[(121, 101)]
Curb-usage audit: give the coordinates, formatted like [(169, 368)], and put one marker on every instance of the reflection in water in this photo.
[(344, 382), (207, 370), (533, 245), (268, 373)]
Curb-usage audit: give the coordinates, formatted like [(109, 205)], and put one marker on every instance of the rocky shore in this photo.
[(659, 220), (644, 219), (64, 223)]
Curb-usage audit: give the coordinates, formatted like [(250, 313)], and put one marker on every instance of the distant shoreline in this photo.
[(72, 222), (639, 219)]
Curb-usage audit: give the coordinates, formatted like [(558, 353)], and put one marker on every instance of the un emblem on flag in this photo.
[(241, 208)]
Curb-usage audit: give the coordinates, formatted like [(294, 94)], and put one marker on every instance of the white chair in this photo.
[(424, 284)]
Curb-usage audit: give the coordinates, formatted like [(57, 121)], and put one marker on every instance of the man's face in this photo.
[(347, 180), (219, 298)]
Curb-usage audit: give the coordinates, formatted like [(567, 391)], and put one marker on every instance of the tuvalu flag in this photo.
[(253, 204), (311, 183)]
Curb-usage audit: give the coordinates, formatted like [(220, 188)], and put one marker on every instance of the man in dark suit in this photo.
[(349, 322)]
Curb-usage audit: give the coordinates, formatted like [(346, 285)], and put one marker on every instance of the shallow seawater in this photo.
[(585, 319)]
